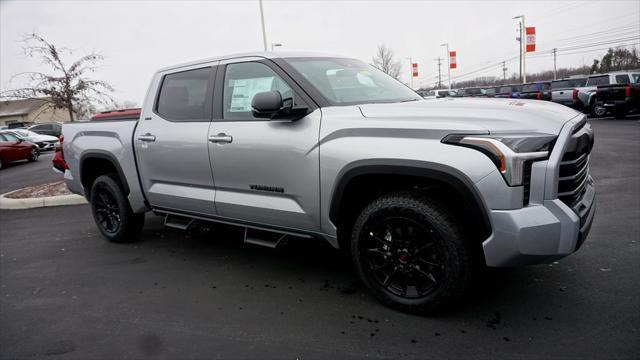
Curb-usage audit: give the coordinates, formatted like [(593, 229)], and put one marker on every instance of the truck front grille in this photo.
[(574, 166), (574, 172)]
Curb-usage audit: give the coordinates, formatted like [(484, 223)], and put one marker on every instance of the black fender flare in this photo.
[(426, 170)]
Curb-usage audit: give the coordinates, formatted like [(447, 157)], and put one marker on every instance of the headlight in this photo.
[(508, 152)]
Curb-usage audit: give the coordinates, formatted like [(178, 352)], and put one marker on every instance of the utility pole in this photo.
[(439, 76), (555, 51), (504, 71), (448, 64), (520, 41), (410, 71), (264, 34)]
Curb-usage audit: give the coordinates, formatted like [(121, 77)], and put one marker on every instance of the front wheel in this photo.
[(34, 153), (411, 253), (112, 213)]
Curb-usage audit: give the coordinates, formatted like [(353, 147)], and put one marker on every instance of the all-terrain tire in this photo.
[(112, 212), (452, 278)]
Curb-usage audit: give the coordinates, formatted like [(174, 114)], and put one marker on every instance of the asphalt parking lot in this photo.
[(67, 293)]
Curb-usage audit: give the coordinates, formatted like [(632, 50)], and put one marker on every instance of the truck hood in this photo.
[(492, 115)]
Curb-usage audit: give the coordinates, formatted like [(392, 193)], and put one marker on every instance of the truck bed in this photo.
[(111, 139)]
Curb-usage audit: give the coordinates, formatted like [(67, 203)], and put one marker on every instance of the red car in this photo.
[(13, 149)]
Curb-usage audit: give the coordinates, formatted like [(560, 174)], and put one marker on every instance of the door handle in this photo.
[(220, 138), (147, 137)]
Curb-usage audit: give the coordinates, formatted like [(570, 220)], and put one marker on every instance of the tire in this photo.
[(597, 111), (426, 267), (112, 212), (33, 154)]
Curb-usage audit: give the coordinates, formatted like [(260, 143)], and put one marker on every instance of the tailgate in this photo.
[(613, 92)]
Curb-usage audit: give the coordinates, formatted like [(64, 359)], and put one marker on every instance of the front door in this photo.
[(266, 172), (171, 142)]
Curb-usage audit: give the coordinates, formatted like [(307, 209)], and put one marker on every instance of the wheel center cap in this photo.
[(404, 256)]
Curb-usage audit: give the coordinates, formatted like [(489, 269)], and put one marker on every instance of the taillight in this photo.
[(58, 158), (575, 94), (627, 91), (539, 96)]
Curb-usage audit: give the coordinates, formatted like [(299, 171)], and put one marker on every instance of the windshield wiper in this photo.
[(409, 100)]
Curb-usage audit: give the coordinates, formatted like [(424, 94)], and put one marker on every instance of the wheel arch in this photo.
[(407, 173), (96, 163)]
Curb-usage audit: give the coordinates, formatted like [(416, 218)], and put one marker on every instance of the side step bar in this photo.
[(255, 235), (177, 221), (264, 238)]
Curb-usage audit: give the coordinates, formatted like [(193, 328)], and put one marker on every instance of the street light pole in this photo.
[(448, 64), (264, 34), (523, 52)]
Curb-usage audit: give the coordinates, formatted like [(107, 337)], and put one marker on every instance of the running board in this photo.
[(264, 238), (177, 221)]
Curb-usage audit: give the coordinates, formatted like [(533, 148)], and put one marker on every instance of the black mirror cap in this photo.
[(266, 104)]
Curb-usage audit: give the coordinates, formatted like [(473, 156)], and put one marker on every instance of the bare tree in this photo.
[(66, 87), (385, 61)]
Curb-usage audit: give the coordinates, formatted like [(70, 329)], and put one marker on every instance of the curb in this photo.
[(30, 203)]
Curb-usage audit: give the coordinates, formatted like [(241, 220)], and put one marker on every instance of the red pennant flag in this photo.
[(414, 69), (452, 60)]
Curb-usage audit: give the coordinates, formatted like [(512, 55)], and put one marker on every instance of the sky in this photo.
[(139, 37)]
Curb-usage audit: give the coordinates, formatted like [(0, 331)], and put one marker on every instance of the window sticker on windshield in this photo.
[(245, 89)]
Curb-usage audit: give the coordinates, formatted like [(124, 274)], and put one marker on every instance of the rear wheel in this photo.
[(34, 153), (112, 213), (411, 253)]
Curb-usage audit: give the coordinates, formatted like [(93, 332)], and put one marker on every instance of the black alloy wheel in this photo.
[(403, 256), (106, 211), (412, 252)]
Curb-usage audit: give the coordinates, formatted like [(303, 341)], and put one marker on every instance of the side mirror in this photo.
[(20, 140), (270, 105)]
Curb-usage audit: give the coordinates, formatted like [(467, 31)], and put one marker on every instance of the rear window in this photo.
[(474, 91), (183, 95), (598, 80), (516, 88), (462, 91), (530, 87), (505, 89), (490, 91)]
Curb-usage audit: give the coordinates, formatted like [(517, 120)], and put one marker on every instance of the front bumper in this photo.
[(560, 210), (538, 233)]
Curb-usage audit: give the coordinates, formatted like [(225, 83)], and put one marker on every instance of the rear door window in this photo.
[(622, 79), (598, 80), (184, 95)]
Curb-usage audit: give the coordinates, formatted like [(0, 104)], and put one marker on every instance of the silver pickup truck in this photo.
[(418, 193)]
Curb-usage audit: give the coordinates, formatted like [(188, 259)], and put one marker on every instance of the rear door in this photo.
[(171, 141), (266, 172)]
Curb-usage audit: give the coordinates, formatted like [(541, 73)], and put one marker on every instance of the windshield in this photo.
[(350, 81)]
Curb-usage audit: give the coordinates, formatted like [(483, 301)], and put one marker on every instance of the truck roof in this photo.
[(262, 54)]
